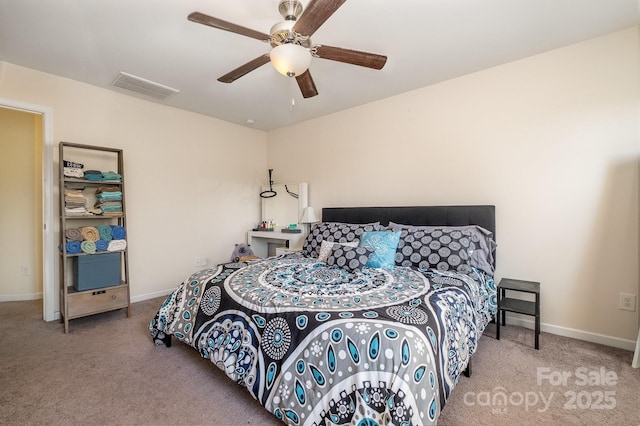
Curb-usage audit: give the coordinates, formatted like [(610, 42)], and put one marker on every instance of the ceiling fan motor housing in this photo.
[(282, 32), (290, 9)]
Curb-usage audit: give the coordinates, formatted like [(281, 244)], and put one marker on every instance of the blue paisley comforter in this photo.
[(317, 345)]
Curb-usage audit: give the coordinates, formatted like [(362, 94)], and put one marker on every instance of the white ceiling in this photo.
[(426, 41)]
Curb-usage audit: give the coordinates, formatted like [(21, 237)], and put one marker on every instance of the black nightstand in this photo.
[(525, 307)]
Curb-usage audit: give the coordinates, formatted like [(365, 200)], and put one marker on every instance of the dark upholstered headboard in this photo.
[(484, 216)]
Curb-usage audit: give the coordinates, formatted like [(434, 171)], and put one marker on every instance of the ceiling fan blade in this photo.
[(354, 57), (232, 76), (203, 19), (315, 14), (306, 85)]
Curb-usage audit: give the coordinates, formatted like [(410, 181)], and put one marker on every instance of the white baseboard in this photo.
[(587, 336), (153, 295), (20, 297)]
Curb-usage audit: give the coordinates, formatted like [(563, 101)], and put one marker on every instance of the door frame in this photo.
[(49, 312)]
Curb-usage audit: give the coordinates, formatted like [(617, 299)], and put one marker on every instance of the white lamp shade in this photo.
[(309, 216), (290, 59)]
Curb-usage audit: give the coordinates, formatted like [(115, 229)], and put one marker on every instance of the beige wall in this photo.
[(192, 181), (21, 207), (551, 140)]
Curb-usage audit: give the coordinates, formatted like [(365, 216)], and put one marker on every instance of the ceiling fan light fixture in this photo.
[(290, 59)]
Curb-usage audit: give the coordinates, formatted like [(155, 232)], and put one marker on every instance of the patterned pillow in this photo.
[(349, 258), (384, 244), (334, 232), (325, 249), (457, 248)]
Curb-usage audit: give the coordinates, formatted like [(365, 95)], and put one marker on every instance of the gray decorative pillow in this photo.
[(458, 248), (325, 249), (334, 232), (349, 258)]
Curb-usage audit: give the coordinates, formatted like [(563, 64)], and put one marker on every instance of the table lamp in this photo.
[(309, 217)]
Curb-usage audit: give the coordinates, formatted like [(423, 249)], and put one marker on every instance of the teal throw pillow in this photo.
[(384, 244)]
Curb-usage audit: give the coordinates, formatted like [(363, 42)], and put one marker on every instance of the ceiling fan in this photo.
[(291, 44)]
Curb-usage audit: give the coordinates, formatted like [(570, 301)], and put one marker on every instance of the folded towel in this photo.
[(111, 176), (90, 233), (107, 188), (117, 245), (118, 232), (73, 234), (72, 172), (110, 207), (74, 205), (102, 245), (88, 247), (73, 247), (94, 177), (78, 211), (105, 232), (109, 196)]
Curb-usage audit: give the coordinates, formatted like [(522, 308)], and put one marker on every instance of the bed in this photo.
[(373, 322)]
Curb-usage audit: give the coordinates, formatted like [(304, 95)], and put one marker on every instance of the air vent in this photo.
[(143, 86)]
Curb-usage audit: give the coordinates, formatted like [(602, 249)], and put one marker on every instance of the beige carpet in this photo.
[(107, 371)]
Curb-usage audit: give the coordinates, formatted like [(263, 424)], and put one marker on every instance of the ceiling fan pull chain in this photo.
[(292, 91)]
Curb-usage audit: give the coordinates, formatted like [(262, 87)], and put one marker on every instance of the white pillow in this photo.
[(326, 246)]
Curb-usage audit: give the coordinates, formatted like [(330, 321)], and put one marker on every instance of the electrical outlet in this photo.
[(26, 271), (627, 302)]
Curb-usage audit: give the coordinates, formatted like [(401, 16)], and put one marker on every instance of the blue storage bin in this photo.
[(97, 271)]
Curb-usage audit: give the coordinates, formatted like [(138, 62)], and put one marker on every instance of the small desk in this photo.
[(260, 240), (525, 307)]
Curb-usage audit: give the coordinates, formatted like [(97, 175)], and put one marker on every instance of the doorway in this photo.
[(37, 268)]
